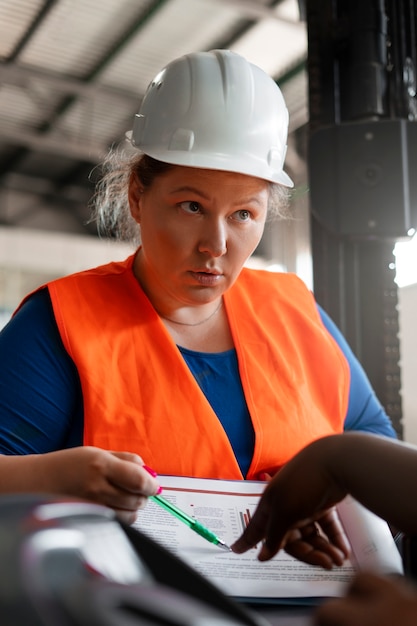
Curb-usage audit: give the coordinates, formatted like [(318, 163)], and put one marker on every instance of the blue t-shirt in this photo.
[(41, 403)]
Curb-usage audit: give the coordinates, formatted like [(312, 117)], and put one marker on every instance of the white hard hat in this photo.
[(215, 110)]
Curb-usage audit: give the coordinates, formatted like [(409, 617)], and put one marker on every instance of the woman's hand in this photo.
[(114, 479), (371, 601)]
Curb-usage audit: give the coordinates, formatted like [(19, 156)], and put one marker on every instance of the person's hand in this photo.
[(114, 479), (323, 542), (296, 513), (371, 601)]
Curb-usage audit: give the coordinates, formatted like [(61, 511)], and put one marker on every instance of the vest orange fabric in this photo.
[(140, 396)]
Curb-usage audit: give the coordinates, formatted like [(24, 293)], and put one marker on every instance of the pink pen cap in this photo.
[(153, 474)]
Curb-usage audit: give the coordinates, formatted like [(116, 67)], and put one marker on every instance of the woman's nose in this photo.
[(213, 239)]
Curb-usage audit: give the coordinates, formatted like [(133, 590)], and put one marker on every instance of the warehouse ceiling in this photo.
[(73, 72)]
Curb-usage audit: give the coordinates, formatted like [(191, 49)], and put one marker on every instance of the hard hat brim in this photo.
[(221, 162)]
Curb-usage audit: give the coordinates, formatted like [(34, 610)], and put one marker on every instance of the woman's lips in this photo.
[(208, 279)]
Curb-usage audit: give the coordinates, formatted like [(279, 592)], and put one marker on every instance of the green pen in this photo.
[(191, 522), (184, 517)]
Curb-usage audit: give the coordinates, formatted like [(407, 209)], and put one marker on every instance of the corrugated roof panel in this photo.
[(76, 34), (92, 122), (174, 30), (274, 45), (15, 17)]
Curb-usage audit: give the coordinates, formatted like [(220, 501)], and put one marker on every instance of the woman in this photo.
[(179, 354)]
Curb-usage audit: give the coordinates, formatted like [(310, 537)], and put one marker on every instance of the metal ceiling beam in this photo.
[(91, 153), (48, 5), (38, 186), (20, 76)]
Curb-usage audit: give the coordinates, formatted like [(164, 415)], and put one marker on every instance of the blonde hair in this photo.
[(110, 204)]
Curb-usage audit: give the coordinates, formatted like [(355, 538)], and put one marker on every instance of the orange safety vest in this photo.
[(140, 396)]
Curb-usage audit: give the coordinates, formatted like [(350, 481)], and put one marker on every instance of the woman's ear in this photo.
[(135, 196)]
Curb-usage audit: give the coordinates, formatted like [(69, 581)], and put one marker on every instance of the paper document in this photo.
[(225, 507)]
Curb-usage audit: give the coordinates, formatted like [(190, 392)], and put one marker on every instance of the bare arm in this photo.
[(114, 479), (379, 472)]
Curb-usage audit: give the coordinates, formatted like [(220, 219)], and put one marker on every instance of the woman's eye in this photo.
[(191, 207), (243, 215)]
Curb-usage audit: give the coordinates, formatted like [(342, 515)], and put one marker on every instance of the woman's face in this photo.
[(198, 227)]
